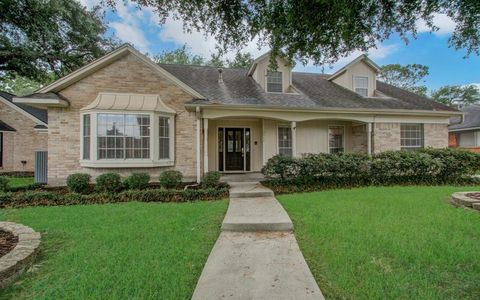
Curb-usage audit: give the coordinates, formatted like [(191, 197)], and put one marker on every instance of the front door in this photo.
[(235, 149)]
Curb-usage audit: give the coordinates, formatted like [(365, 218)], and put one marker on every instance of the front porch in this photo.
[(242, 145)]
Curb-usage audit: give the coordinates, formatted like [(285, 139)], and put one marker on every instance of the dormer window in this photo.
[(274, 82), (360, 85)]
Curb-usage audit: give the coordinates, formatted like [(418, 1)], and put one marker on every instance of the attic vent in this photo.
[(220, 77)]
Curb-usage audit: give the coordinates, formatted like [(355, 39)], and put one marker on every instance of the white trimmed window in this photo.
[(336, 139), (411, 136), (274, 82), (121, 130), (163, 138), (360, 85), (285, 141), (86, 137), (140, 139)]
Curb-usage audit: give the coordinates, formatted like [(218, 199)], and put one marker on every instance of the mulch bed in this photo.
[(474, 195), (7, 242)]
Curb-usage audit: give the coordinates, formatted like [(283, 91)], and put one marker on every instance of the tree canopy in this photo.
[(184, 56), (321, 31), (407, 77), (457, 95), (41, 39)]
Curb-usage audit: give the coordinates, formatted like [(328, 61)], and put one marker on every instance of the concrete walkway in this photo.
[(256, 255)]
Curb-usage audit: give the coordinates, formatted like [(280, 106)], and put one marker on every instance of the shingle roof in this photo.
[(471, 118), (5, 127), (38, 113), (315, 91)]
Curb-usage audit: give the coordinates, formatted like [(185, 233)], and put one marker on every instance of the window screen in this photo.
[(360, 85), (274, 82)]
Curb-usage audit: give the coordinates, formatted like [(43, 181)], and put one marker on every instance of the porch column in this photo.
[(369, 138), (198, 145), (294, 138), (205, 145)]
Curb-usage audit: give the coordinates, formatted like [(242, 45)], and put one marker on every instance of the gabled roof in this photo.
[(106, 60), (315, 91), (36, 114), (259, 59), (471, 119), (5, 127), (363, 58)]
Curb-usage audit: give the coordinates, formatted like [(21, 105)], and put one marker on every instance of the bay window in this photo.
[(127, 139)]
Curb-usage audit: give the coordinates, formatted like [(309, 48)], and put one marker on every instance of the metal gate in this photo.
[(41, 160)]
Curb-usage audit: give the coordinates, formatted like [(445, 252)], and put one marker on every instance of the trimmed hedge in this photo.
[(318, 171), (79, 183), (108, 183), (4, 184), (46, 198), (137, 181), (211, 178), (170, 179)]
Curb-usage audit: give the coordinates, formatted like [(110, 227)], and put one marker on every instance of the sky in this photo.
[(448, 66)]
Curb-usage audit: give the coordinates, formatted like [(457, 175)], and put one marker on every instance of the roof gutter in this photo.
[(328, 110)]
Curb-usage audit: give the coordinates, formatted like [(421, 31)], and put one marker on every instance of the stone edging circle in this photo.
[(461, 199), (22, 256)]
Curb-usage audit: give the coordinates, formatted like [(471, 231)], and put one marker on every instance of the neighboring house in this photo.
[(124, 113), (23, 130), (466, 134)]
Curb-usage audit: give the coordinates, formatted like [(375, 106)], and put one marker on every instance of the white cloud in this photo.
[(445, 24), (380, 52), (172, 31), (89, 3), (131, 34)]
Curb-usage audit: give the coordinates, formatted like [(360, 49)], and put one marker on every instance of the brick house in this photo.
[(124, 113), (466, 134), (23, 130)]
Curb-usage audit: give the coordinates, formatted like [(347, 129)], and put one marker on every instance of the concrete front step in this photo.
[(256, 265), (256, 214), (249, 190)]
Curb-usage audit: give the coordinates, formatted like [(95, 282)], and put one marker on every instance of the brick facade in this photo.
[(126, 75), (20, 145), (386, 136), (359, 139), (436, 135)]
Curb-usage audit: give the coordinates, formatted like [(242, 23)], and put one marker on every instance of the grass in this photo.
[(388, 242), (118, 251), (20, 181)]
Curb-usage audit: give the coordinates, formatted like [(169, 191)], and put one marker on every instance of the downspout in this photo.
[(197, 114)]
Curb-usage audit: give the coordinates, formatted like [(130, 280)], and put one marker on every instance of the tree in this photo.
[(181, 56), (241, 61), (406, 77), (321, 31), (18, 85), (457, 95), (216, 60), (39, 38)]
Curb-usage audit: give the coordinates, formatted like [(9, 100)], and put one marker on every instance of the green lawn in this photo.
[(118, 251), (20, 181), (388, 243)]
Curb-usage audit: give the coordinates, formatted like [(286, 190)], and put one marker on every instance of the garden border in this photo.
[(22, 256)]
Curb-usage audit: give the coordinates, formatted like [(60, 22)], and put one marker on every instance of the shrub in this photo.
[(109, 183), (79, 183), (170, 179), (426, 166), (211, 179), (4, 184), (137, 181), (281, 166)]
